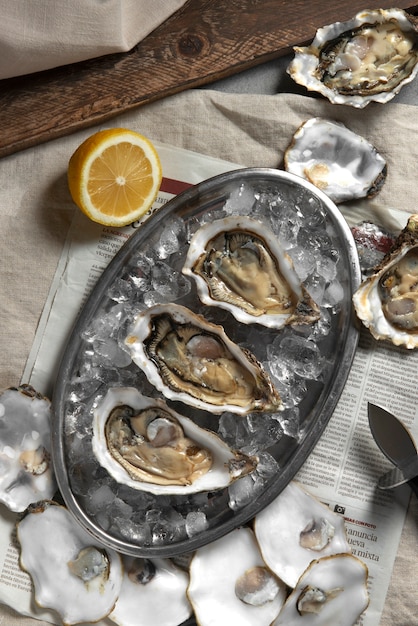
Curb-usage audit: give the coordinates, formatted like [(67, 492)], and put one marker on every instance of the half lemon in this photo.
[(114, 176)]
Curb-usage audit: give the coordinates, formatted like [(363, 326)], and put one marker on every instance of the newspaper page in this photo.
[(344, 467)]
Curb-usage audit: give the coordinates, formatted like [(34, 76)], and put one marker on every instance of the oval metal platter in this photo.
[(147, 270)]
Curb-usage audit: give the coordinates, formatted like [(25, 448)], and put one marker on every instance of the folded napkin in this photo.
[(42, 34)]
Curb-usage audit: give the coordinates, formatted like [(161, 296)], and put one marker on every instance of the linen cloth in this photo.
[(38, 35), (254, 130)]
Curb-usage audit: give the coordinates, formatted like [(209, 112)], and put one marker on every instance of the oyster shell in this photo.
[(230, 583), (336, 160), (146, 445), (192, 360), (296, 528), (332, 590), (71, 572), (26, 473), (239, 265), (387, 301), (153, 593), (368, 58)]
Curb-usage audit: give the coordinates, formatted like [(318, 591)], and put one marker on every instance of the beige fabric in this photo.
[(41, 34), (36, 210)]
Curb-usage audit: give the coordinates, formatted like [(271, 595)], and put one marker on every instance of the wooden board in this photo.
[(204, 41)]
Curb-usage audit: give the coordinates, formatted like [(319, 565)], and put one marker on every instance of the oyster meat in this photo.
[(230, 583), (239, 265), (146, 445), (387, 301), (336, 160), (192, 360), (26, 473), (296, 528), (71, 572), (368, 58)]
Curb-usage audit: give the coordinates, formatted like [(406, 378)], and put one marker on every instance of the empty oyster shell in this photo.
[(387, 301), (230, 583), (296, 528), (153, 593), (192, 360), (332, 590), (26, 473), (335, 159), (146, 445), (71, 572), (368, 58), (238, 264)]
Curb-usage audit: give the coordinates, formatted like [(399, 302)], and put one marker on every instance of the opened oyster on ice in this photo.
[(192, 360), (26, 473), (146, 445), (336, 160), (387, 301), (239, 265), (368, 58)]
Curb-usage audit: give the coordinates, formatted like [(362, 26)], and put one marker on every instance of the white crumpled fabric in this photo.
[(36, 35)]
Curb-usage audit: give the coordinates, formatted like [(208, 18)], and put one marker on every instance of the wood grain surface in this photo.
[(204, 41)]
